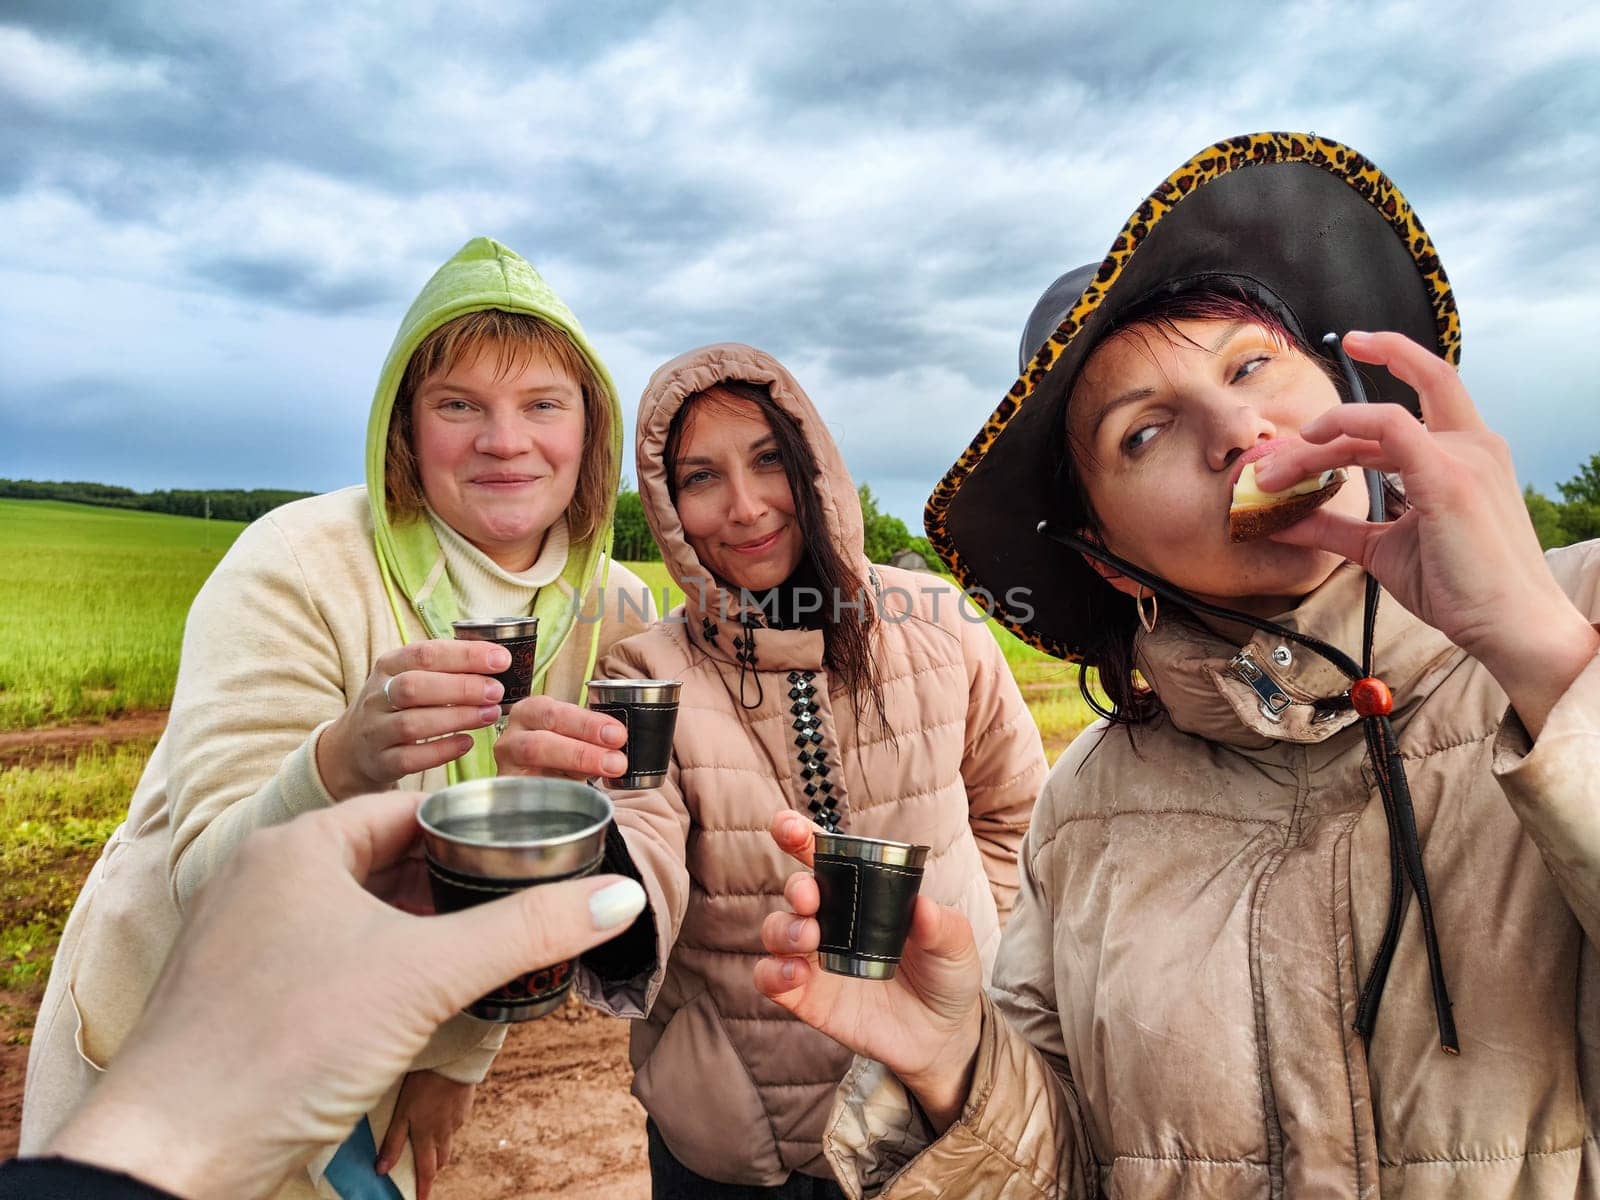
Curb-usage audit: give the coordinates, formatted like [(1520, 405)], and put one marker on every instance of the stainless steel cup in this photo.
[(649, 708), (487, 838), (520, 635), (867, 889)]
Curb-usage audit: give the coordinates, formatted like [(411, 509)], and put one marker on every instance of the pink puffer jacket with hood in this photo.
[(739, 1089)]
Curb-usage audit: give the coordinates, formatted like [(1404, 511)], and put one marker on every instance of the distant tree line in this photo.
[(887, 535), (230, 504)]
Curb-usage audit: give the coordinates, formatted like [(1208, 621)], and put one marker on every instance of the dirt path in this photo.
[(36, 747), (16, 1014), (554, 1118)]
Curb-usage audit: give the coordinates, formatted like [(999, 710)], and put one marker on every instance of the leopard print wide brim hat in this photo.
[(1308, 225)]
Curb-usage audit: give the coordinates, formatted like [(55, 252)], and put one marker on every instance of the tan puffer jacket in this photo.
[(738, 1088), (1173, 1006)]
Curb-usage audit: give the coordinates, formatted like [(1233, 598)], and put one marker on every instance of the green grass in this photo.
[(92, 606), (61, 805), (54, 817), (659, 582)]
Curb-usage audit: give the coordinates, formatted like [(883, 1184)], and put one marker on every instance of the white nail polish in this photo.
[(616, 904)]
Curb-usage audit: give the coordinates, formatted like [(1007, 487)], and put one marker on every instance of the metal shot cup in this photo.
[(487, 838), (867, 889), (649, 709), (520, 635)]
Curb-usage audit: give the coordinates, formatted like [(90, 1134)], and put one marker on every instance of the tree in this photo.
[(925, 548), (1580, 522), (1546, 516), (1584, 487), (884, 534), (226, 504), (633, 541), (1575, 520)]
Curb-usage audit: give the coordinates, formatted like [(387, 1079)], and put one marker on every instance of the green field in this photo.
[(54, 817), (659, 582), (92, 606)]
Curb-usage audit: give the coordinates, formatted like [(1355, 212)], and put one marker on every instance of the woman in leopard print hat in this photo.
[(1321, 917)]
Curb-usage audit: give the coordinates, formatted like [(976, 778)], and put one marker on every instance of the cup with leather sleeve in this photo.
[(867, 889), (519, 635), (648, 708), (487, 838)]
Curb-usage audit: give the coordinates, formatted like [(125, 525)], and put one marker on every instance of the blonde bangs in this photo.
[(512, 339)]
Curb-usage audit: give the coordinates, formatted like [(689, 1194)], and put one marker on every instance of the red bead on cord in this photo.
[(1371, 697)]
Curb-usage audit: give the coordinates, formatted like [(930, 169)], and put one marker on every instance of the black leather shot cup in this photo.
[(649, 709), (520, 635), (868, 889), (487, 838)]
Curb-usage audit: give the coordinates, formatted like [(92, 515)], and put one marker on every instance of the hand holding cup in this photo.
[(412, 714), (923, 1024), (298, 992), (519, 636)]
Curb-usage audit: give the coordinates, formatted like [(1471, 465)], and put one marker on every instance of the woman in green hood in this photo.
[(318, 663)]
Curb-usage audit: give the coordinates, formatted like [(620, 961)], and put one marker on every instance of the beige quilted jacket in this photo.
[(1172, 1009), (737, 1087)]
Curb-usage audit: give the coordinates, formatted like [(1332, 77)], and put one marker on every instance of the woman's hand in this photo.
[(923, 1024), (546, 736), (411, 714), (297, 994), (429, 1111), (1464, 558)]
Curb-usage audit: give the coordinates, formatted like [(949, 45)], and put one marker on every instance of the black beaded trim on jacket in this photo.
[(744, 648), (813, 757)]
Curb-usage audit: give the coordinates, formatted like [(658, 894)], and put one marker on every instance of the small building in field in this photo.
[(909, 560)]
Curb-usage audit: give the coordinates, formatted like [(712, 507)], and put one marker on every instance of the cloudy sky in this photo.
[(212, 216)]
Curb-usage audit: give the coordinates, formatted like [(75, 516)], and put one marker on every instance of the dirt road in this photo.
[(554, 1118)]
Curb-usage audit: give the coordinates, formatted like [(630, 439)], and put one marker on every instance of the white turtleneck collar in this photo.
[(483, 588)]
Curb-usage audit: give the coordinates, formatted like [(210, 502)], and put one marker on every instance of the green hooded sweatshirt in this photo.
[(483, 274)]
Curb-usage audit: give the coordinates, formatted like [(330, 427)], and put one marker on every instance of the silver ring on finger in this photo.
[(387, 698)]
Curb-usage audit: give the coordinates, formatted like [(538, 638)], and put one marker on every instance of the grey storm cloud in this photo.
[(287, 280), (876, 193)]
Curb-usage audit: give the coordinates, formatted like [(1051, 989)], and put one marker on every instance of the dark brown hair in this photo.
[(513, 338), (847, 640), (1111, 622)]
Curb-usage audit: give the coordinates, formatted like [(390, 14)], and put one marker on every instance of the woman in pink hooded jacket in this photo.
[(869, 699)]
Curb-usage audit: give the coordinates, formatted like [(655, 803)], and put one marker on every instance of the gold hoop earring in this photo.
[(1149, 622)]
